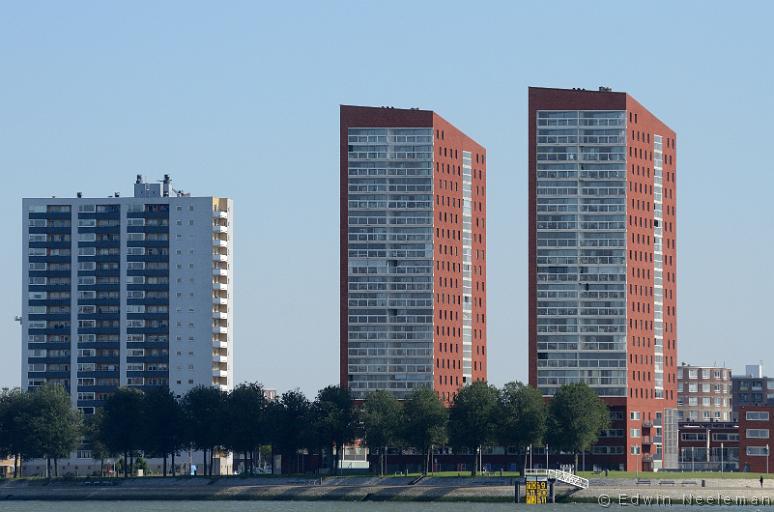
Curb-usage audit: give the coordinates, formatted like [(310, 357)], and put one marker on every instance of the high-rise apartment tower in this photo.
[(413, 253), (602, 262), (127, 291)]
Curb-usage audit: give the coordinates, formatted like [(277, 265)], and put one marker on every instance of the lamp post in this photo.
[(546, 456), (721, 458)]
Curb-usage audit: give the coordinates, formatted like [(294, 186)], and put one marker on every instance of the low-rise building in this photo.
[(703, 393), (755, 426), (752, 388), (708, 446)]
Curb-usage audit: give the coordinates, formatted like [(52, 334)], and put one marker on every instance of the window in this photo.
[(693, 374), (757, 416), (757, 451), (757, 433), (634, 415), (635, 432)]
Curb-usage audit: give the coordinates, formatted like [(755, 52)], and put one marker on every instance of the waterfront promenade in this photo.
[(480, 489)]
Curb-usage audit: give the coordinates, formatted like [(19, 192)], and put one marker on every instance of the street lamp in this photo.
[(546, 456), (721, 458)]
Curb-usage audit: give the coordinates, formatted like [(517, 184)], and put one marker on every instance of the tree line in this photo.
[(155, 423)]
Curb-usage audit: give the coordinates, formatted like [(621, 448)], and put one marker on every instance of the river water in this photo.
[(309, 506)]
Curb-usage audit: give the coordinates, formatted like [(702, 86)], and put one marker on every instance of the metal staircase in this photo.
[(562, 476)]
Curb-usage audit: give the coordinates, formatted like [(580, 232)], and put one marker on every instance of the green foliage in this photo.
[(381, 417), (202, 407), (335, 419), (246, 420), (163, 425), (54, 424), (288, 420), (16, 413), (576, 417), (522, 416), (121, 426), (473, 416), (425, 421)]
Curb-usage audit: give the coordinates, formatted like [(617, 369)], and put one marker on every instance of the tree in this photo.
[(163, 425), (381, 417), (16, 437), (576, 417), (55, 424), (93, 433), (288, 418), (336, 419), (521, 417), (203, 407), (121, 428), (246, 420), (473, 418), (425, 422)]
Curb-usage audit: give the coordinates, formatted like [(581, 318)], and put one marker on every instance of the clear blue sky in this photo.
[(241, 100)]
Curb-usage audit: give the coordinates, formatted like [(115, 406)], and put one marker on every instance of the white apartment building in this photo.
[(127, 291)]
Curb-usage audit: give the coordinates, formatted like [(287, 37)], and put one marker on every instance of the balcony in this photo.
[(216, 256), (216, 343), (220, 286), (220, 272), (217, 358), (217, 242), (219, 315), (219, 329), (217, 228), (220, 301), (219, 214), (217, 372)]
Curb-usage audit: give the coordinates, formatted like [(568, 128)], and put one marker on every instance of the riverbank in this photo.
[(429, 489)]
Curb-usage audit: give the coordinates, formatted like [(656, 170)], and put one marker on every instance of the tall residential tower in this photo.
[(602, 266), (127, 291), (413, 253)]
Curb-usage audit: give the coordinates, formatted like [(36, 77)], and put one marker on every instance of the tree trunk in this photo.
[(575, 469), (212, 458), (475, 463), (48, 467), (126, 464), (204, 460), (164, 466), (173, 465), (56, 467), (15, 465)]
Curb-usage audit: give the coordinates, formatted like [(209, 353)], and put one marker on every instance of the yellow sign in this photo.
[(536, 492)]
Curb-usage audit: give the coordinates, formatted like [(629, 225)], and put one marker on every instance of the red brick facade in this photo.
[(756, 423), (448, 146), (641, 127)]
